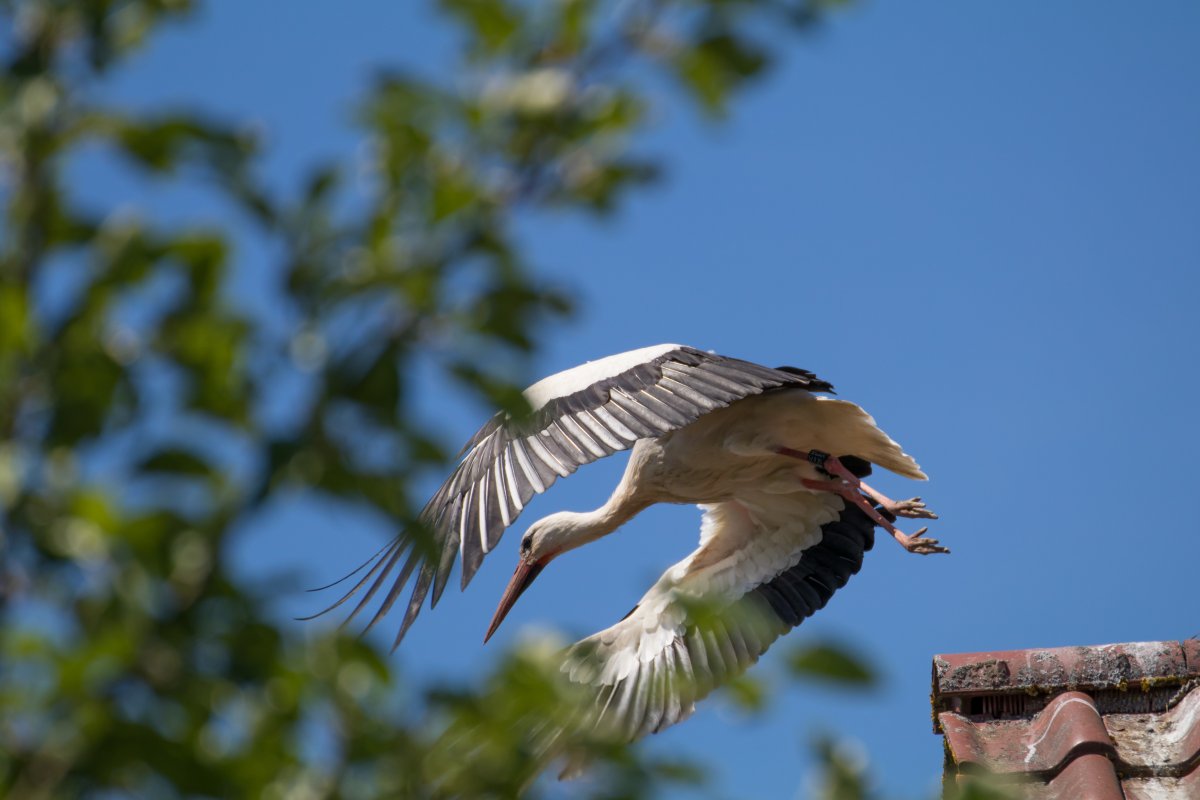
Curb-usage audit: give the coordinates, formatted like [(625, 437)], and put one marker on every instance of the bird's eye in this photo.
[(526, 545)]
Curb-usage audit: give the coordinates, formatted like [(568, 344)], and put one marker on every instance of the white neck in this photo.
[(577, 528)]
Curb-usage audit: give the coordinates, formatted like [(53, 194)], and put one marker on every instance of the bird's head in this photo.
[(543, 541)]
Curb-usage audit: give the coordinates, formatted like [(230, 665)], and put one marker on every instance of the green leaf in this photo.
[(163, 144), (714, 66), (492, 23), (982, 787), (84, 381), (831, 662), (175, 461), (841, 771), (453, 192), (15, 332), (502, 393), (748, 693)]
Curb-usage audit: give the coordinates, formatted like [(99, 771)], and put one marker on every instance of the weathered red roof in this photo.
[(1115, 721)]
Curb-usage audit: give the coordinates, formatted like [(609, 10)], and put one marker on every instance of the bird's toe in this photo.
[(912, 508)]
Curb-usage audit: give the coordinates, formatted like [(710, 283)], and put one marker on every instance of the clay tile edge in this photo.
[(1047, 670)]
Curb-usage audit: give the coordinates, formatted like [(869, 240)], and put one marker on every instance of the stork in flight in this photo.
[(776, 468)]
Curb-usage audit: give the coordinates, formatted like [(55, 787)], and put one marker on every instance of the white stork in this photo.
[(776, 468)]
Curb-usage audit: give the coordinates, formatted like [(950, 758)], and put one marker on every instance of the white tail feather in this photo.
[(855, 433)]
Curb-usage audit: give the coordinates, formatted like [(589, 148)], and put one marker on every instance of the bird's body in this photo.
[(730, 453), (785, 520), (733, 450)]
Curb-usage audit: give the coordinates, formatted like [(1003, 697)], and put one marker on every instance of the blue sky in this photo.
[(979, 221)]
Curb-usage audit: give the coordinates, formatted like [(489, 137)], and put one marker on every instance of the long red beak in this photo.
[(521, 579)]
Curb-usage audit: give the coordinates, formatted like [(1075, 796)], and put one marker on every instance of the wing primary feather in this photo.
[(686, 682), (654, 698), (820, 559), (481, 509), (729, 653), (763, 626), (471, 565), (745, 654), (822, 591), (735, 388), (375, 587), (532, 474), (538, 442), (822, 585), (598, 430), (488, 429), (783, 585), (414, 603), (609, 420), (767, 375), (353, 572), (706, 642), (627, 703), (459, 513), (723, 651), (750, 383), (516, 486), (571, 452), (674, 416), (379, 581), (697, 649), (812, 597), (841, 545), (501, 482), (746, 628), (674, 401), (779, 604), (608, 702), (681, 389), (444, 567), (657, 424), (382, 556), (641, 699), (466, 515), (635, 425), (670, 694), (708, 384), (394, 592), (581, 437)]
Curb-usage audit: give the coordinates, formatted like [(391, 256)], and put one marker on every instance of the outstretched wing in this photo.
[(760, 571), (579, 416)]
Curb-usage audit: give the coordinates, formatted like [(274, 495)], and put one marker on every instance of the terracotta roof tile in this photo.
[(1185, 788), (1159, 742), (1116, 721), (1040, 746), (1089, 777)]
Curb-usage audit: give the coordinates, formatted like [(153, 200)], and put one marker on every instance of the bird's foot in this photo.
[(918, 544), (847, 485), (912, 508), (914, 543)]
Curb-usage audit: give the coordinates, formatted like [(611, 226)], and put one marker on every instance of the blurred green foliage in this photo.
[(831, 662), (136, 428)]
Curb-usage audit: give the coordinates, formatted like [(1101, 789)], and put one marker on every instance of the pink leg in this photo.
[(847, 485), (912, 507), (902, 508), (916, 543)]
